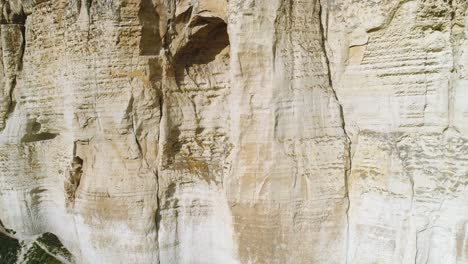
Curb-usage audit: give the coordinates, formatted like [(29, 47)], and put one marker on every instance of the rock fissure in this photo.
[(455, 40), (348, 143), (13, 44)]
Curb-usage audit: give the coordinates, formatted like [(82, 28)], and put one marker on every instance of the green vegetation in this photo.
[(53, 245), (9, 249), (36, 255), (42, 251)]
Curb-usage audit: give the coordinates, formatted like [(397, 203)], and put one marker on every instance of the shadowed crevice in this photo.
[(348, 142), (13, 43), (202, 49), (150, 42)]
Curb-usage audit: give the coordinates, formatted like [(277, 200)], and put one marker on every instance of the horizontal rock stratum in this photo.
[(240, 131)]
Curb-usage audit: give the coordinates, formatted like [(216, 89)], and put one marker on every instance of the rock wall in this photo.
[(241, 131)]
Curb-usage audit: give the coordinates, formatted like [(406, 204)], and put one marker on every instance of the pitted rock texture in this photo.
[(240, 131)]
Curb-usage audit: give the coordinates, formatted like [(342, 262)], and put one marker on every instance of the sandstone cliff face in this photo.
[(241, 131)]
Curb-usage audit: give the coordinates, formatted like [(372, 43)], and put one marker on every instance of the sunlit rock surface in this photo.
[(240, 131)]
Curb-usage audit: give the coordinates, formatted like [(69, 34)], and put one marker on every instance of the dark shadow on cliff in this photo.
[(204, 45), (150, 42)]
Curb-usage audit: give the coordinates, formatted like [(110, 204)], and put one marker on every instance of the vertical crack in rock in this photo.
[(191, 45), (130, 113), (76, 173), (150, 42), (84, 17), (158, 212), (348, 165), (171, 24), (456, 36), (74, 176), (156, 173), (405, 164)]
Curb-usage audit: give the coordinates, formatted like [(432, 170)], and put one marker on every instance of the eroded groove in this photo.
[(191, 46), (348, 164), (158, 216), (75, 173), (13, 44), (456, 37), (202, 47), (150, 42)]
